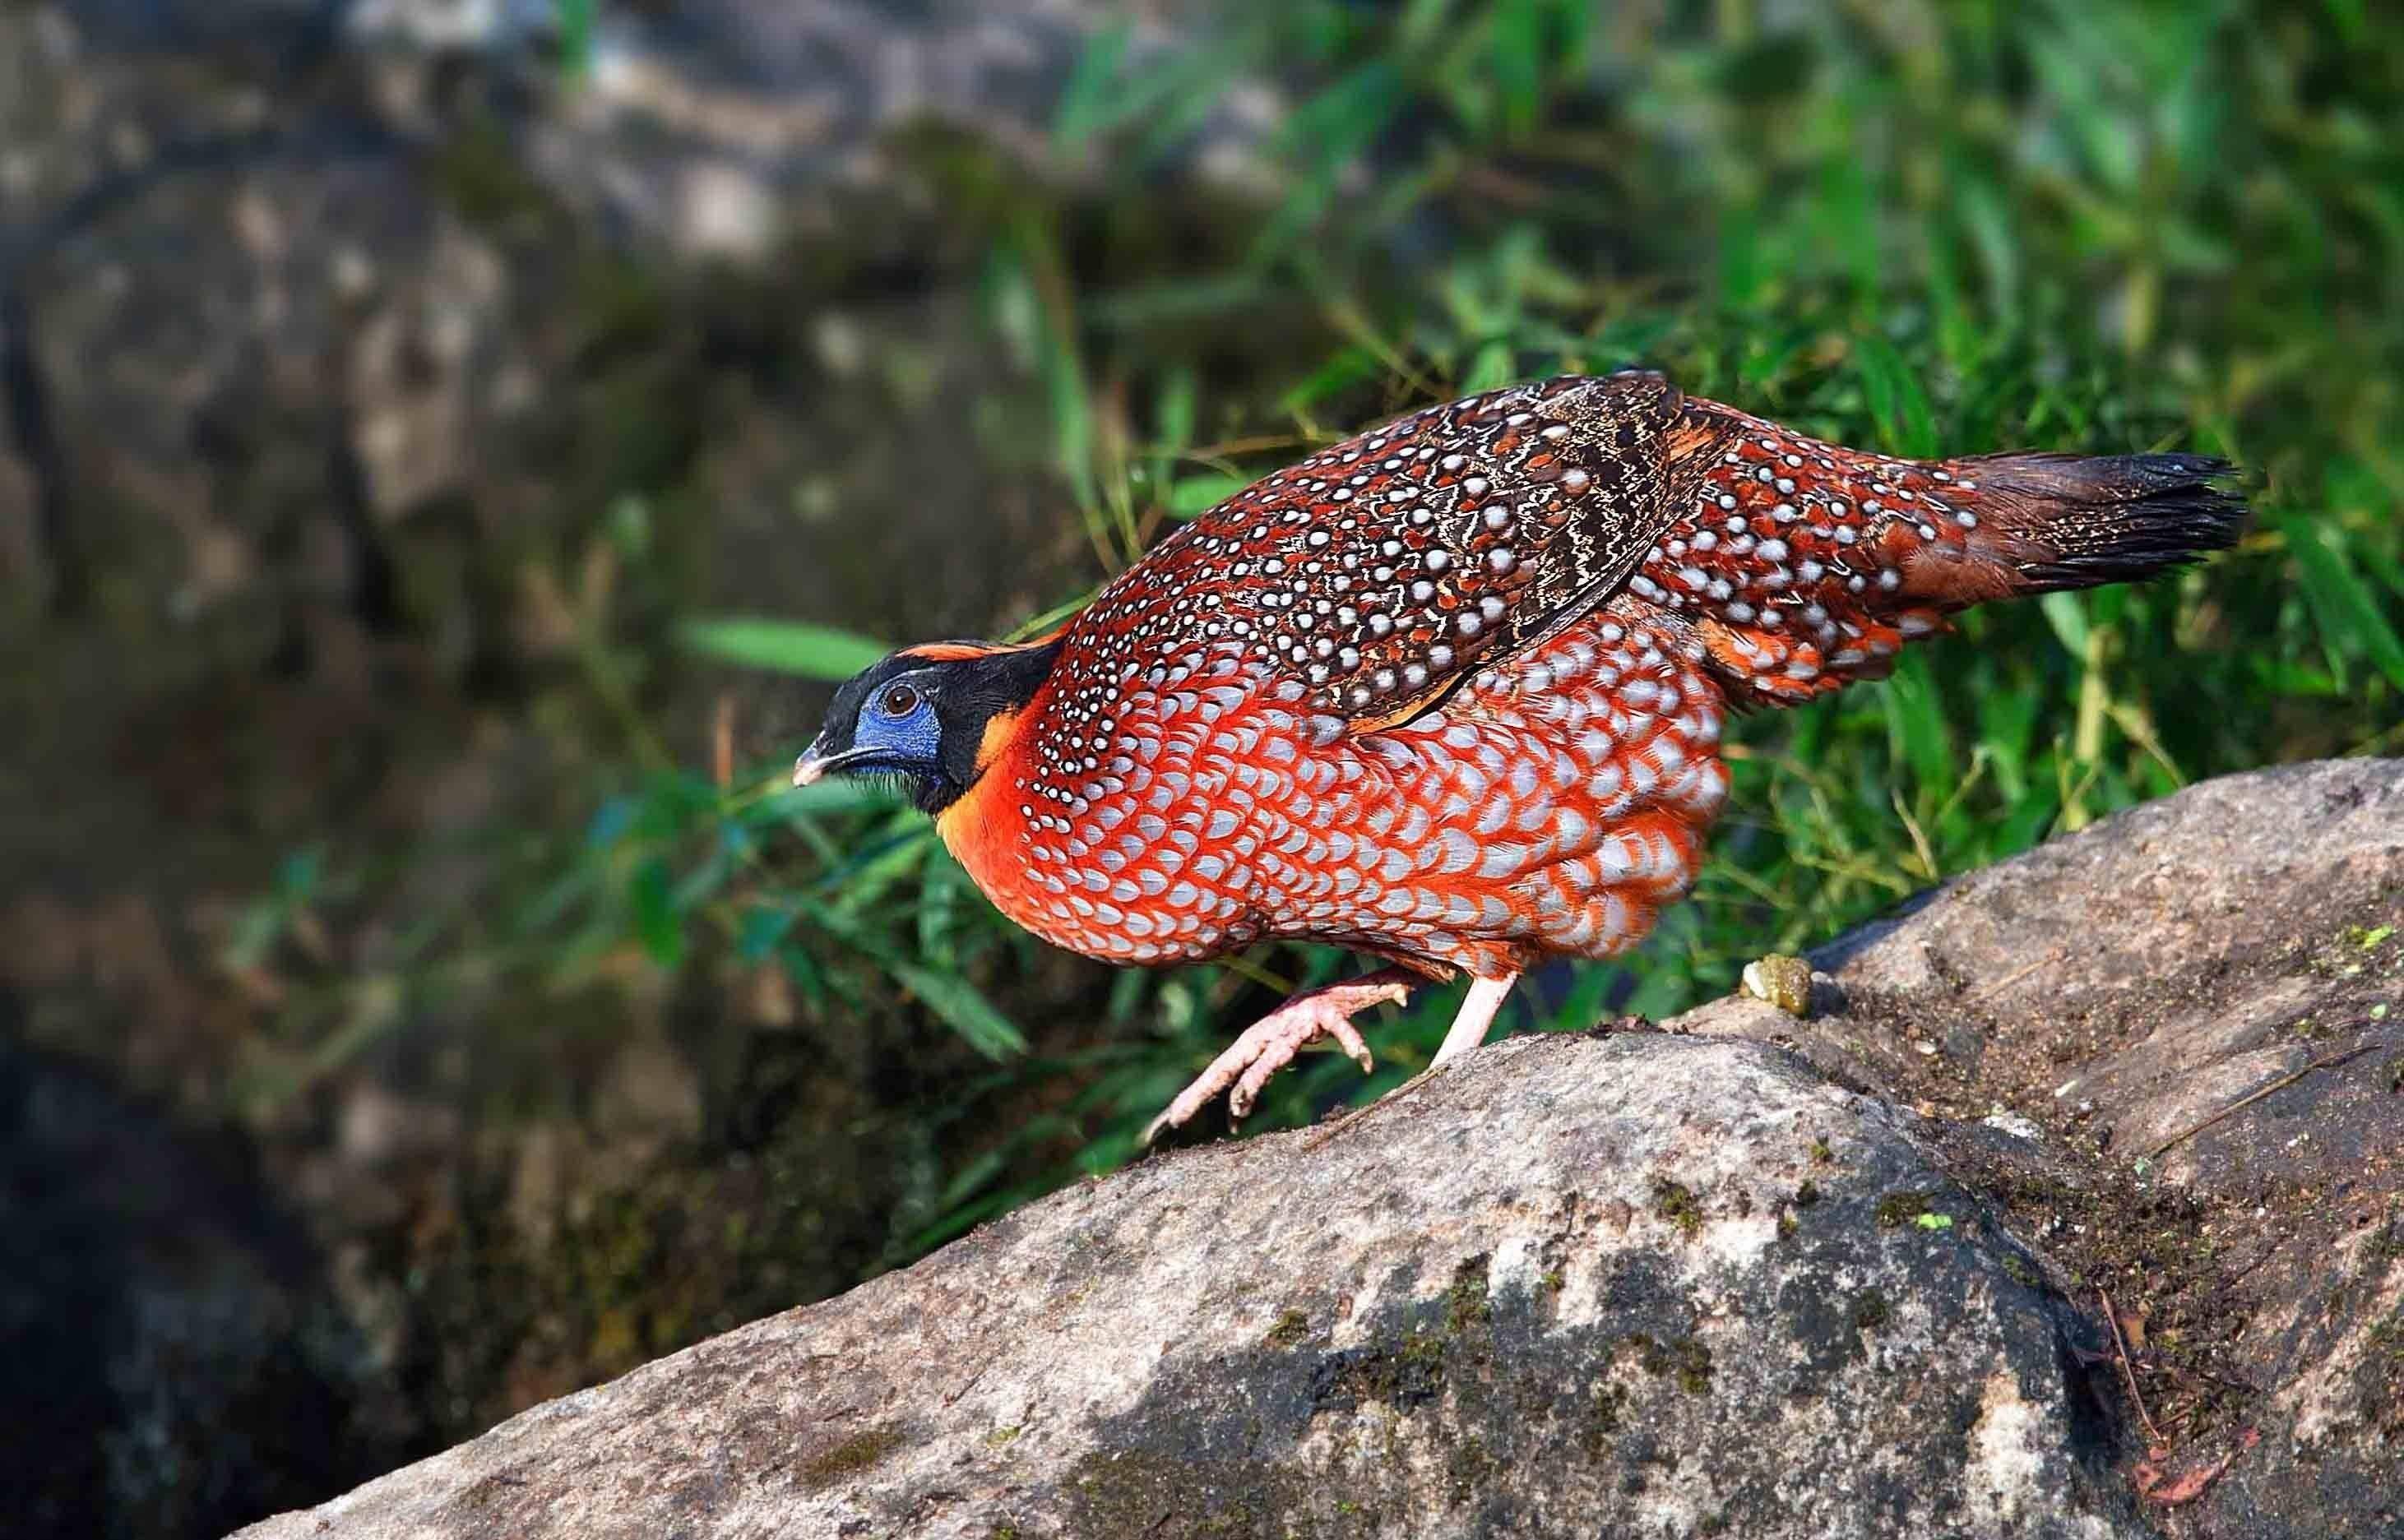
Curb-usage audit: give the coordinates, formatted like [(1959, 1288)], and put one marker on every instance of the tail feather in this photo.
[(1804, 565), (2083, 521)]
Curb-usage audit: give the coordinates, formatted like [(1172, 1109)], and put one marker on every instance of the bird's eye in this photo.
[(901, 700)]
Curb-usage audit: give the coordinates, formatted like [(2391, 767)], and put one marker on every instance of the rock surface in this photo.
[(1675, 1284), (1579, 1284), (2198, 1010)]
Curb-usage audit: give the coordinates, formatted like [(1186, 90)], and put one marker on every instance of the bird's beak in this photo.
[(813, 765)]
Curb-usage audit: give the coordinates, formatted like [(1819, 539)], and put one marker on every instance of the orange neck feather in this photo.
[(981, 827)]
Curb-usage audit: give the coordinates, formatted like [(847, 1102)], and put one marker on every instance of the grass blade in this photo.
[(964, 1009), (2342, 604)]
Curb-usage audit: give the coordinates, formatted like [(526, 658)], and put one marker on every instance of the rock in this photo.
[(152, 1303), (1680, 1283), (1579, 1284), (716, 130), (283, 281), (2200, 1003)]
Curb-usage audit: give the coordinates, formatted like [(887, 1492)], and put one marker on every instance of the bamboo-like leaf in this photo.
[(762, 926), (964, 1009), (1897, 400), (1195, 494), (786, 647), (657, 923), (1085, 102), (2342, 604)]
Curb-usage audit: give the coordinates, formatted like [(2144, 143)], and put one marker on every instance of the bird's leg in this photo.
[(1474, 1018), (1270, 1044)]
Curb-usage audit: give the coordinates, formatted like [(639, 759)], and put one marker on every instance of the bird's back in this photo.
[(1378, 571)]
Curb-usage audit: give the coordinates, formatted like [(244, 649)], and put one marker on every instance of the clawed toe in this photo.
[(1246, 1068)]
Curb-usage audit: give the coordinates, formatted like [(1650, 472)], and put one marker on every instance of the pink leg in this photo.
[(1474, 1018), (1271, 1043), (1470, 1025)]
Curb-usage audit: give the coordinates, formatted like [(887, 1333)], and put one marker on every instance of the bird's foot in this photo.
[(1469, 1029), (1271, 1043)]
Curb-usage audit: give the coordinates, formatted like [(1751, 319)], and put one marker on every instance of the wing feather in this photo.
[(1378, 572)]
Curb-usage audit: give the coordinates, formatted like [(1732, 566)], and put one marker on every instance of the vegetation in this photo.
[(2108, 226)]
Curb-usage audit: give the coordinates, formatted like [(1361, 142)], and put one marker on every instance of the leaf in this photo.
[(1516, 62), (939, 906), (1846, 213), (727, 856), (1492, 367), (1934, 1221), (1174, 100), (1072, 408), (656, 921), (1895, 397), (2067, 615), (831, 797), (1349, 368), (1325, 132), (297, 874), (1743, 267), (881, 865), (964, 1009), (2342, 602), (786, 647), (611, 822), (630, 527), (763, 926), (1985, 216), (1086, 105), (1195, 494), (576, 37), (1173, 410), (1916, 723), (254, 930)]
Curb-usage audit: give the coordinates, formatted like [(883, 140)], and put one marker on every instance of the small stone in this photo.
[(1783, 981), (2003, 1121)]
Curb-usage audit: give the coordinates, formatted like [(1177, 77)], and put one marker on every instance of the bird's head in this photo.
[(933, 715)]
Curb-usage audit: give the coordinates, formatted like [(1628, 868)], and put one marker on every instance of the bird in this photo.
[(1451, 693)]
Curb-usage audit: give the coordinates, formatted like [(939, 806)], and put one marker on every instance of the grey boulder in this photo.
[(1757, 1274)]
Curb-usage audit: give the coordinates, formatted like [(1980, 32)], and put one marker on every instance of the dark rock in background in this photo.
[(357, 364), (174, 1354)]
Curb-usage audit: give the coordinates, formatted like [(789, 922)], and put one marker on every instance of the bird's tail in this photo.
[(1805, 565), (2072, 521)]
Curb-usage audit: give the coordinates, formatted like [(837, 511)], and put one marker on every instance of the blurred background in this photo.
[(446, 447)]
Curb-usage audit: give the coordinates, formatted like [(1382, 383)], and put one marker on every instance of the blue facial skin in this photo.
[(885, 740), (896, 729)]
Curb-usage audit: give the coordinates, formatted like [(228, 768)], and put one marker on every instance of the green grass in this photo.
[(2096, 225)]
